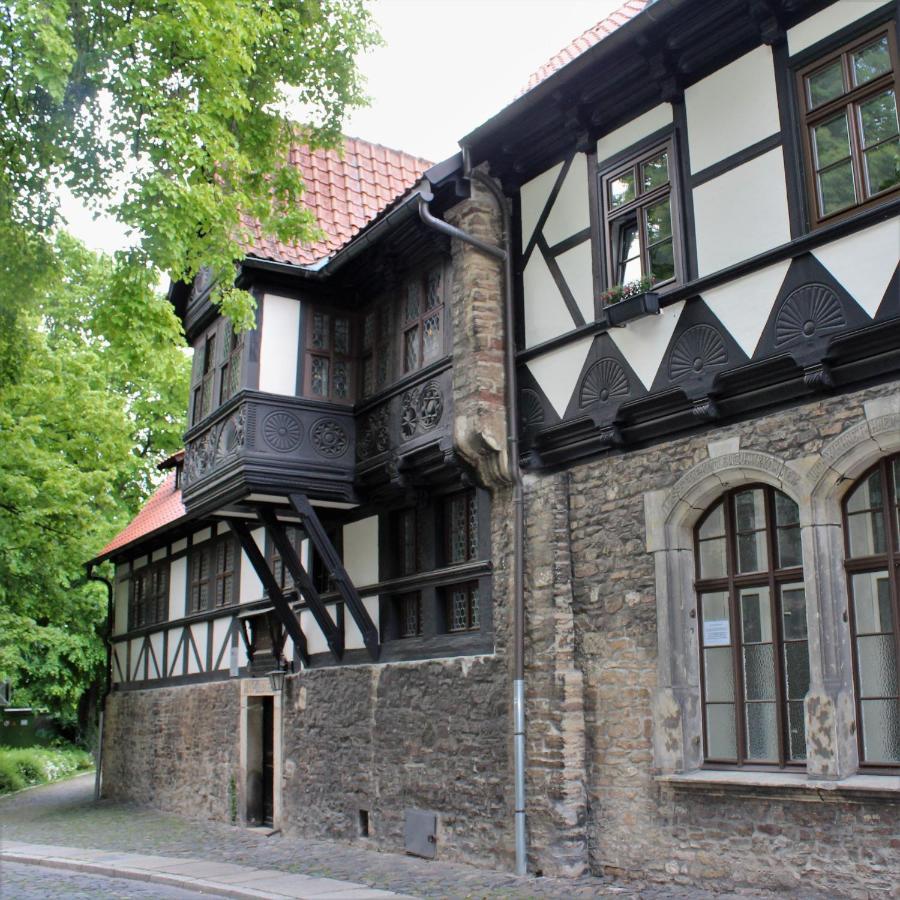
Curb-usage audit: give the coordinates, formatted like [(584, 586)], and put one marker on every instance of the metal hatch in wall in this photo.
[(420, 833)]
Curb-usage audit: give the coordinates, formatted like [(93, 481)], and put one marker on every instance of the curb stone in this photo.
[(295, 886)]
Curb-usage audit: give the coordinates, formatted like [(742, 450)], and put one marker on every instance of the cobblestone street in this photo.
[(65, 814)]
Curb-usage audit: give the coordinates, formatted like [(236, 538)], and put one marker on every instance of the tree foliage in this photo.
[(169, 114), (95, 403)]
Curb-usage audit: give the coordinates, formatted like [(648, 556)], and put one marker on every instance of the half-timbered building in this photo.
[(562, 480)]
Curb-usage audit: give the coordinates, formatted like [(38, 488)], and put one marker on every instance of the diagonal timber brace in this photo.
[(320, 540), (291, 560), (282, 608)]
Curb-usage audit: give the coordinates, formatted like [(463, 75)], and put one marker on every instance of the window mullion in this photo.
[(893, 554), (777, 634), (736, 642)]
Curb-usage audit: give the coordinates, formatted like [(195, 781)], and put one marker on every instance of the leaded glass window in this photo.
[(330, 368), (410, 610), (852, 134), (423, 312), (872, 536), (753, 631), (462, 527), (230, 381), (462, 608)]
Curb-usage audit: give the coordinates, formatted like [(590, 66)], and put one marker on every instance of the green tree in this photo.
[(95, 402), (169, 114)]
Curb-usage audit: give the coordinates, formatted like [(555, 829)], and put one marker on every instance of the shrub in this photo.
[(24, 766)]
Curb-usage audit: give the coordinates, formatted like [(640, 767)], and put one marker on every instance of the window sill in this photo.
[(786, 784)]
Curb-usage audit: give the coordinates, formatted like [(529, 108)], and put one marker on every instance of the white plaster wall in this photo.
[(546, 314), (121, 607), (174, 652), (577, 269), (177, 588), (831, 19), (203, 535), (361, 551), (533, 198), (315, 640), (279, 345), (743, 305), (159, 554), (557, 371), (156, 660), (137, 664), (643, 342), (352, 635), (741, 213), (198, 632), (570, 211), (179, 545), (634, 131), (118, 663), (222, 635), (250, 586), (732, 109), (864, 262)]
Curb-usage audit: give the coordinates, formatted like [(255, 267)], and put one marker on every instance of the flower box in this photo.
[(633, 307)]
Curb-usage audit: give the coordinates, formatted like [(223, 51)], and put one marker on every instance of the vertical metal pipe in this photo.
[(504, 254)]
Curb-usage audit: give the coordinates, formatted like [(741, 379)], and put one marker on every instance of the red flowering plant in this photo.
[(620, 292)]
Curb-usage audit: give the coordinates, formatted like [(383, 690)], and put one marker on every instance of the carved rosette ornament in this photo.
[(329, 438), (603, 382), (282, 431), (808, 312), (431, 405), (699, 349)]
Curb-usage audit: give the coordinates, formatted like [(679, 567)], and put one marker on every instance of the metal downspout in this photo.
[(92, 576), (505, 255)]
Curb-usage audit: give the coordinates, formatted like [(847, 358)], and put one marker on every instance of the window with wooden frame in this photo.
[(462, 607), (376, 349), (204, 379), (149, 595), (753, 635), (423, 319), (295, 535), (213, 572), (461, 528), (872, 542), (321, 575), (407, 561), (848, 102), (330, 365), (230, 378), (639, 218)]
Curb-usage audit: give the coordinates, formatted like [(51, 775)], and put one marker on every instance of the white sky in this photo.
[(446, 67)]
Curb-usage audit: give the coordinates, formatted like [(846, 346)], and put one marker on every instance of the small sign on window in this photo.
[(716, 633)]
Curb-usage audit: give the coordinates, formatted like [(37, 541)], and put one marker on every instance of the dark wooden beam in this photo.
[(313, 528), (291, 560), (282, 608)]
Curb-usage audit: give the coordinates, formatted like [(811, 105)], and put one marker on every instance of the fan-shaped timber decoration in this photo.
[(605, 380), (698, 349), (808, 312), (531, 411)]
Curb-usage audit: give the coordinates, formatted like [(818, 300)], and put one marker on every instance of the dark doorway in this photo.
[(268, 761)]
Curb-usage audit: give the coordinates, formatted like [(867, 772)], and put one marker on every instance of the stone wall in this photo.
[(428, 735), (635, 825), (174, 748)]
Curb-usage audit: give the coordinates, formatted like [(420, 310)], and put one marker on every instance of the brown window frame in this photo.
[(203, 401), (328, 353), (888, 561), (148, 602), (614, 219), (848, 102), (772, 578), (421, 283), (206, 587)]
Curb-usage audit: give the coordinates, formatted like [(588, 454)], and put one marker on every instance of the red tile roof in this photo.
[(163, 508), (345, 192), (592, 36)]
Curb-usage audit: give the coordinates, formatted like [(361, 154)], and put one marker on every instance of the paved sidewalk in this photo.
[(219, 878), (66, 815)]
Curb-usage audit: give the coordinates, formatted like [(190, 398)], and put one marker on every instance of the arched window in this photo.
[(873, 575), (753, 639)]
